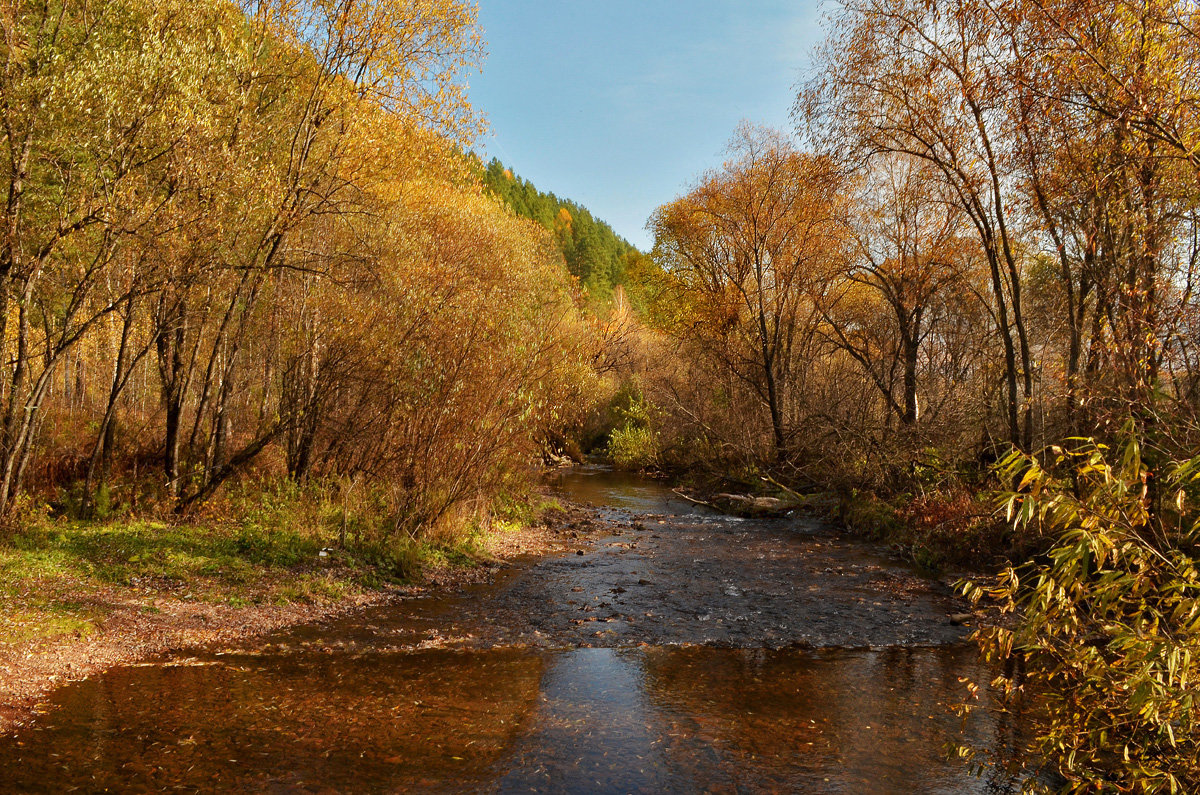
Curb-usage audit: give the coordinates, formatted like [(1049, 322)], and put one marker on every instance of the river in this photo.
[(684, 651)]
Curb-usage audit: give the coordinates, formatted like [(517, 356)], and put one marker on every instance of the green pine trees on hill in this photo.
[(595, 254)]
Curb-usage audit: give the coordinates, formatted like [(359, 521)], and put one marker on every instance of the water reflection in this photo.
[(330, 723), (586, 720), (698, 719), (595, 731), (831, 721), (603, 487)]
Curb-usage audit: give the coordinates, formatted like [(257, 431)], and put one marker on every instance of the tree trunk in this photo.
[(911, 351)]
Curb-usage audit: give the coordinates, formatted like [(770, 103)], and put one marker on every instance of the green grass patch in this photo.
[(312, 588), (51, 568), (515, 511), (47, 620), (266, 551), (127, 552)]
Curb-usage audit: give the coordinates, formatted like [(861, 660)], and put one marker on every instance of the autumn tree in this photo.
[(241, 234), (98, 105), (350, 65), (928, 81), (909, 255), (1102, 108), (742, 249)]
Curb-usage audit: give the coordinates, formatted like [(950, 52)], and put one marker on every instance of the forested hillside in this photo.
[(594, 253)]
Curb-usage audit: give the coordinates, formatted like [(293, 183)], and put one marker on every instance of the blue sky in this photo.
[(619, 105)]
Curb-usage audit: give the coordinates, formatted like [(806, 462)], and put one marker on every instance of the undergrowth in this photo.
[(938, 530), (262, 543)]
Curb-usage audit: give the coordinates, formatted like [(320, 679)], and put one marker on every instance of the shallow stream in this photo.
[(683, 652)]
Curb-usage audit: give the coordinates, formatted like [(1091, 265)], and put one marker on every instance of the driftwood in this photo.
[(680, 493), (748, 504), (760, 503)]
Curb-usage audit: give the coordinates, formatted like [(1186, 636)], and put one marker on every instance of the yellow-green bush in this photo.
[(1107, 628)]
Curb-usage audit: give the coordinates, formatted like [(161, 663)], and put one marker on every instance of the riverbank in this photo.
[(78, 598), (680, 650), (939, 530)]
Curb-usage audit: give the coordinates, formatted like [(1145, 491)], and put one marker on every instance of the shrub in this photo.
[(634, 443), (1107, 627), (633, 447)]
